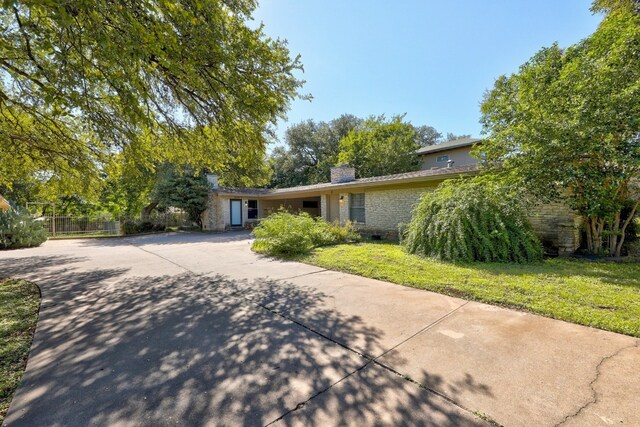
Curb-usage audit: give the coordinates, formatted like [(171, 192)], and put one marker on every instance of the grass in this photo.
[(601, 294), (19, 304)]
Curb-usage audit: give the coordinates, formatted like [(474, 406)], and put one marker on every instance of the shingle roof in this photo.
[(420, 175), (455, 143)]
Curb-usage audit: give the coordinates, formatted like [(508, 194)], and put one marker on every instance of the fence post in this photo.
[(54, 220)]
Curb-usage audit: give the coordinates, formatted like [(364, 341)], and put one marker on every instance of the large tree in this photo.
[(82, 79), (381, 146), (182, 189), (312, 149), (567, 125)]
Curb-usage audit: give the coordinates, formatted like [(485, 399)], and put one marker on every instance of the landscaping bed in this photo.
[(19, 305), (601, 294)]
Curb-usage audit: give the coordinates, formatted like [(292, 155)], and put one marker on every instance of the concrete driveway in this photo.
[(195, 329)]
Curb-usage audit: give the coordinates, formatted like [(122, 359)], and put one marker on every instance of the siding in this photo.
[(460, 156)]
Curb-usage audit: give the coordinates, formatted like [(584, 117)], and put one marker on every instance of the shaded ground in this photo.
[(194, 329), (19, 302)]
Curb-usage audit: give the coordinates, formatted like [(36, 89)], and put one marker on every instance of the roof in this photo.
[(454, 143), (407, 177)]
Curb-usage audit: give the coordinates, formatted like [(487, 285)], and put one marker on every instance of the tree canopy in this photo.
[(312, 149), (381, 147), (567, 125), (156, 79)]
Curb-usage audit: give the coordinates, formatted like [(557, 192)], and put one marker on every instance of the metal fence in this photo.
[(102, 224), (78, 226)]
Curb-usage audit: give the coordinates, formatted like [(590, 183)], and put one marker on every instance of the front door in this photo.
[(236, 213)]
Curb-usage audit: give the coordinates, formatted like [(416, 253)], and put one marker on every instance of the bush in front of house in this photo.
[(287, 234), (137, 227), (472, 220), (18, 229)]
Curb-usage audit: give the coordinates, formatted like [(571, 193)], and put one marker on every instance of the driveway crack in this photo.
[(594, 394)]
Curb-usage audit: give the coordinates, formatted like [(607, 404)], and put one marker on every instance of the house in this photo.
[(456, 152), (4, 204), (378, 205)]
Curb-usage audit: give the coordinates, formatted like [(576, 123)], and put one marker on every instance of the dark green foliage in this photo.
[(183, 190), (130, 227), (312, 149), (18, 229), (284, 233), (136, 227), (381, 147), (566, 126), (471, 220)]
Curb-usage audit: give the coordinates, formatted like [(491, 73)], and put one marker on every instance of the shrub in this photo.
[(284, 233), (130, 227), (18, 229), (146, 226), (136, 227), (472, 220)]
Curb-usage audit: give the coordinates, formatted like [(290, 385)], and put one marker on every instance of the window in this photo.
[(252, 206), (442, 159), (356, 207), (310, 204)]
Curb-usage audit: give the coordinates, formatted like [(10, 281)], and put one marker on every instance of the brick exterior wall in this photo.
[(557, 226), (342, 174), (214, 217), (384, 210)]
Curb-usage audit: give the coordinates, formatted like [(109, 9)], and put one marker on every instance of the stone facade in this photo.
[(557, 226), (342, 174), (385, 209)]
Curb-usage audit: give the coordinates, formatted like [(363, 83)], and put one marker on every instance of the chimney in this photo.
[(342, 174), (213, 181)]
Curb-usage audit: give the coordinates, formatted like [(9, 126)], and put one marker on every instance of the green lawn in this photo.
[(600, 294), (19, 303)]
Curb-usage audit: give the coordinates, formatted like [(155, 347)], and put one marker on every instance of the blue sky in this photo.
[(432, 60)]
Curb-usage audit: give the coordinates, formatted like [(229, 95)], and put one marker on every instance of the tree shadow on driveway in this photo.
[(193, 350)]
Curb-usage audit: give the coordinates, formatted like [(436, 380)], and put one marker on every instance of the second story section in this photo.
[(456, 152)]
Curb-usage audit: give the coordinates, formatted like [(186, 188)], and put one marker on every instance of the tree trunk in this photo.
[(146, 211), (594, 228), (615, 231), (618, 249)]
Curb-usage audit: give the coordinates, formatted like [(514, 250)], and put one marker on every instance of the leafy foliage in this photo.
[(471, 220), (381, 147), (567, 125), (183, 190), (314, 147), (18, 229), (136, 227), (284, 233), (167, 79), (312, 151)]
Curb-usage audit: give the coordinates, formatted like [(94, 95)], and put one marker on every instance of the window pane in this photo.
[(252, 211), (356, 208)]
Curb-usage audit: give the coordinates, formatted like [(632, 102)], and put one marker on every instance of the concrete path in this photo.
[(195, 329)]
